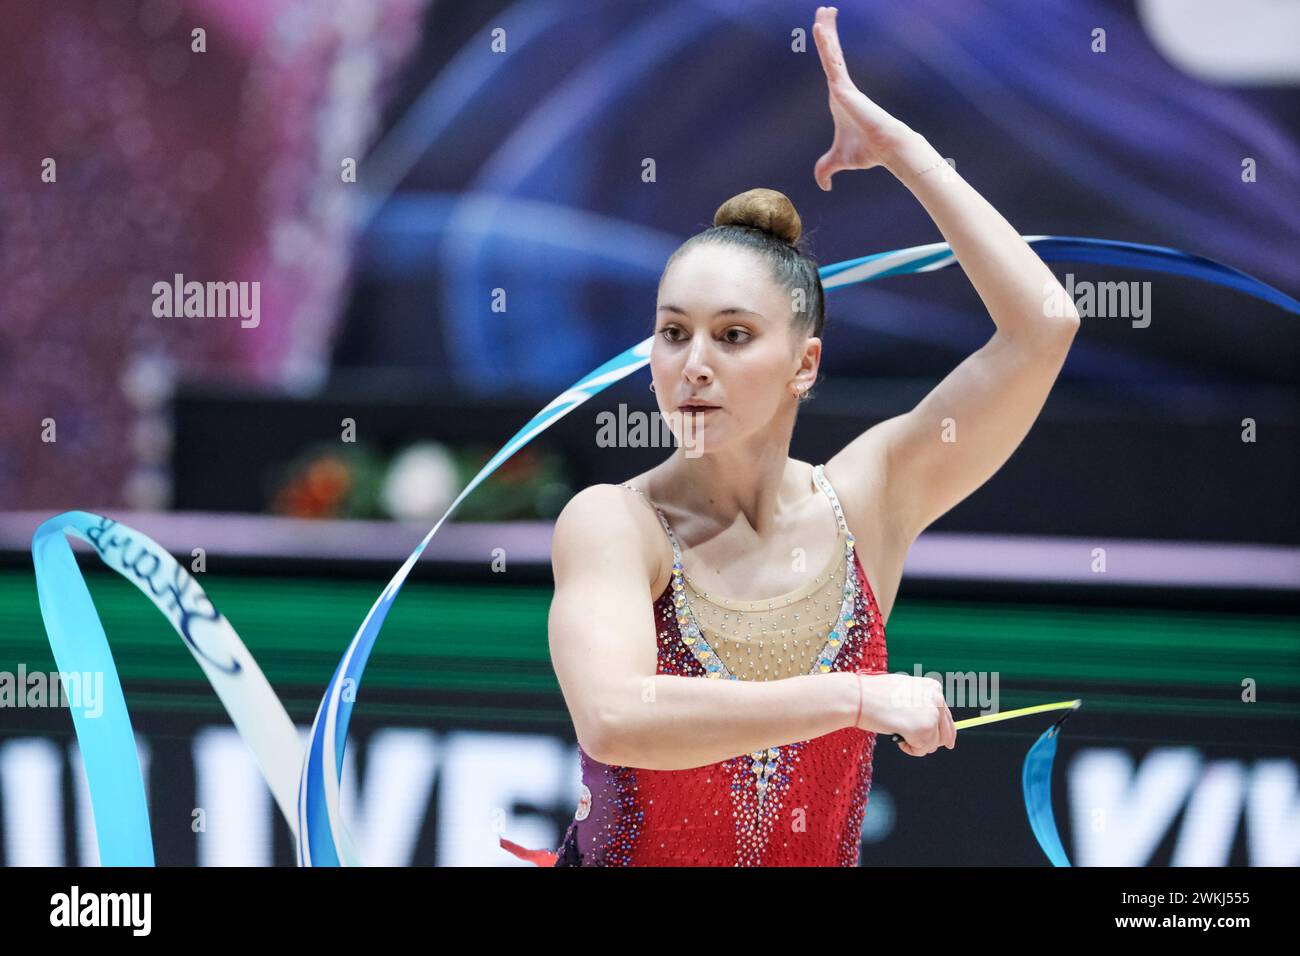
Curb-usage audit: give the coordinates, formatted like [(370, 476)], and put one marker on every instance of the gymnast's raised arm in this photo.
[(604, 651), (930, 458)]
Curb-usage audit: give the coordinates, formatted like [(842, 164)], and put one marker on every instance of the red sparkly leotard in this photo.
[(799, 804)]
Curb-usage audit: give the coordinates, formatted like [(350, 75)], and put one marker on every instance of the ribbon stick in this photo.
[(1009, 714), (306, 785)]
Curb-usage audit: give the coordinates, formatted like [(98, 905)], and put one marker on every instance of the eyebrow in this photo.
[(732, 310)]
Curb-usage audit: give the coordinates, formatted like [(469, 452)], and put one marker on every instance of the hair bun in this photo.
[(764, 209)]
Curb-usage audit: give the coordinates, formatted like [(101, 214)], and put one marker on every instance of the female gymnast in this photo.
[(669, 577)]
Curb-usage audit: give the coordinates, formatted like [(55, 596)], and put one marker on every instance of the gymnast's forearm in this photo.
[(668, 722), (1014, 284)]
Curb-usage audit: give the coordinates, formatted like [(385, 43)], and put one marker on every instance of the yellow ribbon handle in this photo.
[(1022, 712)]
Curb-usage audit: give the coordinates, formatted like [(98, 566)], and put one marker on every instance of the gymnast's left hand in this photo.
[(865, 135)]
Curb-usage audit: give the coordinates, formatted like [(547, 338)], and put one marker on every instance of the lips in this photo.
[(697, 408)]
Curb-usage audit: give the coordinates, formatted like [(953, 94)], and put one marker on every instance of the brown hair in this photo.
[(765, 221)]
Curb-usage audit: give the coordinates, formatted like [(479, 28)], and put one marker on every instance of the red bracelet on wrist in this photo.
[(859, 717), (859, 672)]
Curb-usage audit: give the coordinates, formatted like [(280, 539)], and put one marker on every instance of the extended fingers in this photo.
[(837, 53), (826, 36)]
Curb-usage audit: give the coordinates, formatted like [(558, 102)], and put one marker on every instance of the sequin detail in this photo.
[(800, 804)]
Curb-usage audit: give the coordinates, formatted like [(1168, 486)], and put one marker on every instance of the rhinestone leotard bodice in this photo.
[(800, 804)]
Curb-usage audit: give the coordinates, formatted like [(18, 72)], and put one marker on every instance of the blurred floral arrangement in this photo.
[(418, 483)]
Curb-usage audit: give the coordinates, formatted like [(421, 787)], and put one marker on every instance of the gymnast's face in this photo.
[(724, 335)]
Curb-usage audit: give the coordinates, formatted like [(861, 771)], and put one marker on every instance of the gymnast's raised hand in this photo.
[(865, 135)]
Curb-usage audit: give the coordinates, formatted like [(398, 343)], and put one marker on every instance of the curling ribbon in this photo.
[(311, 808), (80, 646), (1036, 781)]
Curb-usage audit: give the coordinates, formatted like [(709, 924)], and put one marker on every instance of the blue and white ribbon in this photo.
[(79, 644), (306, 786)]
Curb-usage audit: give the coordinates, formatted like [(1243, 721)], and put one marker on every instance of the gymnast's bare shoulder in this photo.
[(616, 523)]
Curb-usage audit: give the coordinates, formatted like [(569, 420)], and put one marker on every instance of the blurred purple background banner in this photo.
[(220, 165)]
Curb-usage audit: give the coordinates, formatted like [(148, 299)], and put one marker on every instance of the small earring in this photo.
[(652, 386)]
